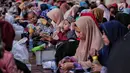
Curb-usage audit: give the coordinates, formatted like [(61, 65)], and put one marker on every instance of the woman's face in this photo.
[(66, 25), (32, 18), (105, 39), (112, 11), (80, 35)]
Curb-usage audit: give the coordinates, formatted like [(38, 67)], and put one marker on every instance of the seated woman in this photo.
[(7, 62), (112, 32), (123, 18), (90, 42)]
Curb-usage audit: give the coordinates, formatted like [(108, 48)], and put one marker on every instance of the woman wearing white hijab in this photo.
[(71, 12)]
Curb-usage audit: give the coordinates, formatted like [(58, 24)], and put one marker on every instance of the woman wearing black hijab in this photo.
[(123, 18), (119, 60), (112, 32)]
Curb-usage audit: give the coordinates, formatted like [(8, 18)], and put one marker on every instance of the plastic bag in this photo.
[(49, 65), (18, 31), (20, 51)]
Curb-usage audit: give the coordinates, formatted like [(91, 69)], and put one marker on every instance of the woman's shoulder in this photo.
[(6, 58), (8, 55)]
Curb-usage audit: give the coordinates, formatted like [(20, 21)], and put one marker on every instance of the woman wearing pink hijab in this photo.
[(56, 16), (64, 7), (90, 42)]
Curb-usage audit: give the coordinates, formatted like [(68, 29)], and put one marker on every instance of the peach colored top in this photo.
[(7, 63)]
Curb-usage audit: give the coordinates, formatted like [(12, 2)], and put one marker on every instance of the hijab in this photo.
[(126, 10), (106, 11), (64, 7), (91, 15), (98, 13), (93, 40), (71, 12), (123, 18), (119, 61), (129, 6), (8, 34), (55, 15), (83, 4), (114, 30), (43, 7)]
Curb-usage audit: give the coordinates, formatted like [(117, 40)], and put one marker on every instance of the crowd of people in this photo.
[(100, 29)]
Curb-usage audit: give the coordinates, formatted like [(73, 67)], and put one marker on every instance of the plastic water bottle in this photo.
[(30, 44), (95, 61)]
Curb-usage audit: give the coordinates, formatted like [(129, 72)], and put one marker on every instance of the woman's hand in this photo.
[(47, 38), (64, 60), (96, 67), (67, 66)]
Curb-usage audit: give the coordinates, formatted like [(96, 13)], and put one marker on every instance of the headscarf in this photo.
[(115, 5), (93, 40), (123, 18), (64, 7), (8, 34), (98, 13), (56, 15), (91, 15), (70, 19), (129, 6), (119, 61), (44, 14), (53, 7), (71, 12), (106, 12), (83, 4), (85, 11), (114, 30), (43, 7), (126, 10)]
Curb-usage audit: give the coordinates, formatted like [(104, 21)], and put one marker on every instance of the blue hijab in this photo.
[(114, 30), (43, 7), (126, 10), (83, 4)]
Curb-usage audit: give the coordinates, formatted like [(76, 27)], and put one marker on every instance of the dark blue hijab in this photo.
[(114, 30), (43, 7)]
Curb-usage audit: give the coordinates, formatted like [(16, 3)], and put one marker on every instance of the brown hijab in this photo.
[(56, 15), (92, 42), (98, 13), (71, 12), (64, 7)]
